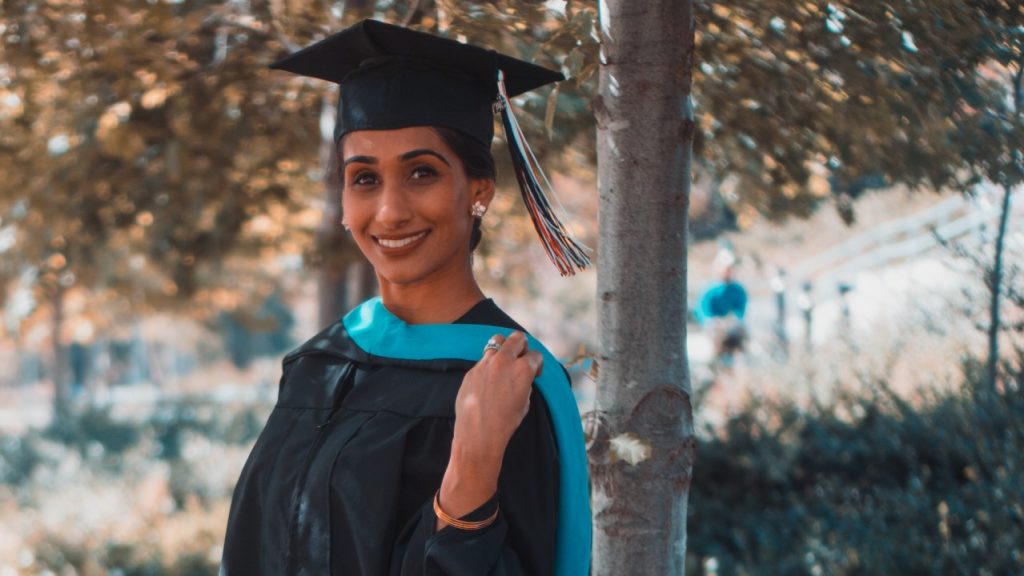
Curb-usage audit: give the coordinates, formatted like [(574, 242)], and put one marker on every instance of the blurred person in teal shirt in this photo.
[(722, 308)]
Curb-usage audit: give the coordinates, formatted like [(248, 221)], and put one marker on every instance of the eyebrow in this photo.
[(404, 157), (359, 159), (423, 152)]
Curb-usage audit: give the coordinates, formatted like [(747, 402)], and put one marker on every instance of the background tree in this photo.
[(148, 154), (993, 142), (856, 95)]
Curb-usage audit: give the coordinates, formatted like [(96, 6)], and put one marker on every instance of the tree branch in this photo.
[(221, 20), (414, 8)]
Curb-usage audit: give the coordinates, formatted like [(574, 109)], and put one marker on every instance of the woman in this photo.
[(425, 432)]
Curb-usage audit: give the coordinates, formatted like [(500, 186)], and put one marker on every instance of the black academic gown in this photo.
[(342, 478)]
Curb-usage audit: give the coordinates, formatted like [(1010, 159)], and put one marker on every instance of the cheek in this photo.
[(459, 222), (455, 207), (355, 212)]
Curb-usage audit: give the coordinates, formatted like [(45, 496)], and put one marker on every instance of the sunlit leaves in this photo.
[(881, 88), (152, 139), (147, 134)]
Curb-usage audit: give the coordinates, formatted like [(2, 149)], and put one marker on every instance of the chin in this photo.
[(405, 271), (400, 276), (415, 270)]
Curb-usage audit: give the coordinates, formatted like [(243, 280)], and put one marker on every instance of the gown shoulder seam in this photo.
[(289, 358)]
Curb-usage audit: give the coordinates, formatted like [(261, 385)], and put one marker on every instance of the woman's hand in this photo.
[(494, 398), (492, 402)]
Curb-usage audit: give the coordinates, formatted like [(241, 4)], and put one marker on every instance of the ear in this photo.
[(481, 190)]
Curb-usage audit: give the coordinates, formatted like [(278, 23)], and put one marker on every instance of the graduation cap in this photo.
[(391, 77)]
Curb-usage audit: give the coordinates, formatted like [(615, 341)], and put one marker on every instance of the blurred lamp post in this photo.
[(778, 283), (806, 303), (844, 289)]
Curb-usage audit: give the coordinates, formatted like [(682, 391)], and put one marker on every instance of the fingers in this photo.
[(514, 346), (515, 350), (536, 361), (497, 339)]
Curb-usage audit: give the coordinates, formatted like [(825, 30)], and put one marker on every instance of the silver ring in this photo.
[(492, 344)]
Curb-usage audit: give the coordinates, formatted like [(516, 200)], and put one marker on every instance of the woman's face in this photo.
[(407, 202)]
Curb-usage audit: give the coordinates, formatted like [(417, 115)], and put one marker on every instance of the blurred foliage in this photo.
[(915, 92), (264, 331), (146, 148), (19, 456), (866, 484), (94, 434), (55, 553), (172, 421), (104, 441), (151, 158), (173, 472)]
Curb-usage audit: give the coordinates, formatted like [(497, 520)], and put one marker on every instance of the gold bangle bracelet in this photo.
[(460, 524)]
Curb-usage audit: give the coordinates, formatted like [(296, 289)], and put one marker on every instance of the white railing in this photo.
[(984, 216), (898, 240)]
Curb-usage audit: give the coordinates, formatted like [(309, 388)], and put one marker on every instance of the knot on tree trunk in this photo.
[(658, 433)]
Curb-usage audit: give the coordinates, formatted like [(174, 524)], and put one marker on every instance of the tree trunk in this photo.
[(644, 141), (332, 287), (995, 285), (362, 282), (332, 291)]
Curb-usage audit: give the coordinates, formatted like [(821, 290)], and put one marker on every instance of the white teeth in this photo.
[(401, 242)]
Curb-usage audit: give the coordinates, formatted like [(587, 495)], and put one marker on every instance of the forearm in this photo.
[(521, 540), (470, 480)]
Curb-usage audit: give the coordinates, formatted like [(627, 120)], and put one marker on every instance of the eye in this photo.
[(423, 172), (364, 178)]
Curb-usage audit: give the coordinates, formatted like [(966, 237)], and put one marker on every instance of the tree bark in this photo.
[(362, 282), (332, 290), (644, 141)]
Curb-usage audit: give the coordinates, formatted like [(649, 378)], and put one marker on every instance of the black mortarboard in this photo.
[(393, 77)]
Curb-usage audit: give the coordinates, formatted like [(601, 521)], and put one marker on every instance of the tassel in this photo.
[(568, 254)]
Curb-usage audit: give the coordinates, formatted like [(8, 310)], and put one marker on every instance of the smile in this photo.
[(400, 242)]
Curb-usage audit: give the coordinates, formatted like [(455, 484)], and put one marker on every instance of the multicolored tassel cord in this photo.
[(568, 254)]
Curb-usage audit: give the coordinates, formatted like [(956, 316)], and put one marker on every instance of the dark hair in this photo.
[(476, 158), (477, 161)]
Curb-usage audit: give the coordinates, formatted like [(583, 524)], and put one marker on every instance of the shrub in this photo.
[(18, 459), (94, 433), (866, 485)]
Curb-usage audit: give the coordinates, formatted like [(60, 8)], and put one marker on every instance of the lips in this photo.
[(397, 243)]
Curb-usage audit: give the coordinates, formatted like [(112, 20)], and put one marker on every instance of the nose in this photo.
[(393, 210)]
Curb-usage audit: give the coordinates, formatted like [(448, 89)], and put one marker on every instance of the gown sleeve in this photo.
[(521, 540)]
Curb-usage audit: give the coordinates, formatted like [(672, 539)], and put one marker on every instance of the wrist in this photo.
[(473, 470), (470, 480), (474, 456), (481, 517)]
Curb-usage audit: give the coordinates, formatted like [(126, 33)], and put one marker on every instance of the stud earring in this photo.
[(478, 210), (345, 226)]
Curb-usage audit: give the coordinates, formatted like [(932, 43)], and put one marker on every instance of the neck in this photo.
[(440, 299)]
